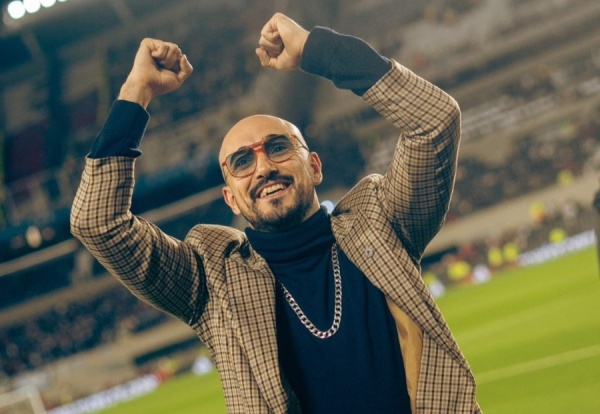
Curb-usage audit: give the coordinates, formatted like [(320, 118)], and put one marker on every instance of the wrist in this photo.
[(302, 39), (134, 92)]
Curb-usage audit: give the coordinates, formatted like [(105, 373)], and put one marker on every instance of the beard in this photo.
[(280, 217)]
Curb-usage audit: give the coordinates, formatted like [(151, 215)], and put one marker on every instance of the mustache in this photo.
[(274, 176)]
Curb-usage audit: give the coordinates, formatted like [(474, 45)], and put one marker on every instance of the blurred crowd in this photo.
[(557, 154), (478, 260), (70, 328), (534, 162), (221, 52)]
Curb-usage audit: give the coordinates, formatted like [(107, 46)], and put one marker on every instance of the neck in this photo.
[(314, 233)]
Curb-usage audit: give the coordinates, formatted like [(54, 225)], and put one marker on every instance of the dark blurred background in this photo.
[(525, 72)]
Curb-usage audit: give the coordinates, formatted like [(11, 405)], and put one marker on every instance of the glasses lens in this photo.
[(279, 148), (241, 162)]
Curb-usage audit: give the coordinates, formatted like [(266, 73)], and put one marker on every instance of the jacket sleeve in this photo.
[(418, 184), (157, 268), (347, 61)]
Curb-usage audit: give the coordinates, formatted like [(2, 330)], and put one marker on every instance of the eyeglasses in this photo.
[(278, 148)]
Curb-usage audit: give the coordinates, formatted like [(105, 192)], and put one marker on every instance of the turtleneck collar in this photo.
[(313, 236)]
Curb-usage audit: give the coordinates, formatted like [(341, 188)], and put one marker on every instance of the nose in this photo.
[(264, 166)]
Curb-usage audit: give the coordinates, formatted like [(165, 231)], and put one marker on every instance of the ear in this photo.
[(230, 200), (316, 167)]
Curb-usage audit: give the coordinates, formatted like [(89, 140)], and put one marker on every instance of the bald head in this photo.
[(276, 195), (253, 129)]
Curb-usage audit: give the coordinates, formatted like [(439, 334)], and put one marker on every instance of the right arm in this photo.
[(156, 267)]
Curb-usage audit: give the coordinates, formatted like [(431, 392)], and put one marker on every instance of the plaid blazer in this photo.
[(215, 282)]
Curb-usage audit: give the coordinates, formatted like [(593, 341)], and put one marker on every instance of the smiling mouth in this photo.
[(271, 189)]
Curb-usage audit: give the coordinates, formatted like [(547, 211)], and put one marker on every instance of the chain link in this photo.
[(337, 315)]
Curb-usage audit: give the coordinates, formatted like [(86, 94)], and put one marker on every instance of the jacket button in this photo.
[(369, 252)]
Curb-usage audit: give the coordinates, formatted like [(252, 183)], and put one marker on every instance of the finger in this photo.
[(167, 55), (270, 28), (159, 49), (273, 47), (173, 55), (264, 57), (185, 70), (271, 35)]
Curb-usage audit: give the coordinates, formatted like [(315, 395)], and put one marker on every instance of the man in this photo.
[(303, 311)]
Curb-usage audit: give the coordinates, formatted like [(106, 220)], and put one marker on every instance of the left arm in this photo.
[(418, 184), (417, 187)]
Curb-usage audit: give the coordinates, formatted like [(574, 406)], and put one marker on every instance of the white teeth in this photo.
[(270, 190)]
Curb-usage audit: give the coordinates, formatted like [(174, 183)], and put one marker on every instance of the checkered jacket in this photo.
[(215, 282)]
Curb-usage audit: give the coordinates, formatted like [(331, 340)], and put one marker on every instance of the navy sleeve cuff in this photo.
[(122, 131), (349, 62)]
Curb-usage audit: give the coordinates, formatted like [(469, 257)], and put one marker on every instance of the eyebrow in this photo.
[(264, 138)]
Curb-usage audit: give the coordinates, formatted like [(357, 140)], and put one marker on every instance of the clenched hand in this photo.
[(159, 67), (281, 43)]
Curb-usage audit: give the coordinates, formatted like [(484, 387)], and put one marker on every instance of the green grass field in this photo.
[(531, 335)]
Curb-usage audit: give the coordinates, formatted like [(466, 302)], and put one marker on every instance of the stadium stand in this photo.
[(526, 73)]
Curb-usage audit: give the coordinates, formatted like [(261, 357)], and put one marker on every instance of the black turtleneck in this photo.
[(359, 369)]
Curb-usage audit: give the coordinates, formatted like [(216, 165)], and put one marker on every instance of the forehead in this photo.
[(251, 130)]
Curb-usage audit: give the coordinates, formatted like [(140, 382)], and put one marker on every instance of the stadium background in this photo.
[(525, 72)]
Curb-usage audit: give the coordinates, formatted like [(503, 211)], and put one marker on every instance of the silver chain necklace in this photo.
[(337, 315)]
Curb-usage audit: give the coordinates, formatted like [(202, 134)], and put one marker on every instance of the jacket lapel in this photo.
[(251, 287), (376, 251)]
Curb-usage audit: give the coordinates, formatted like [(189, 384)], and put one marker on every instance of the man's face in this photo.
[(276, 196)]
